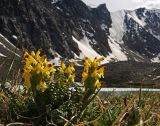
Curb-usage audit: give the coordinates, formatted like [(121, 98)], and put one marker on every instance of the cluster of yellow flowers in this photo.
[(67, 72), (92, 73), (36, 71)]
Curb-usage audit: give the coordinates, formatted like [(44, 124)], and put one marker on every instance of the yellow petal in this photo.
[(84, 76), (33, 53), (87, 62), (71, 77), (63, 66), (101, 72), (97, 84), (42, 86)]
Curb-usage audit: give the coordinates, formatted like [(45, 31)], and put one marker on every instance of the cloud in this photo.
[(152, 3), (114, 5), (137, 1), (147, 3)]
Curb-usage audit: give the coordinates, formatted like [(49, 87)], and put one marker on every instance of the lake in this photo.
[(128, 89)]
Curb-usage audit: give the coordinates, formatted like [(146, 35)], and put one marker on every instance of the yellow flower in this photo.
[(101, 72), (69, 69), (26, 54), (37, 68), (98, 73), (97, 84), (27, 80), (37, 55), (71, 78), (67, 73), (87, 62), (95, 63), (100, 59), (51, 68), (42, 86), (28, 59), (62, 68), (26, 75), (33, 54), (93, 72), (84, 76)]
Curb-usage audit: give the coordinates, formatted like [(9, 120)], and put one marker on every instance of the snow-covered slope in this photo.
[(118, 27), (87, 51), (72, 29), (138, 33), (85, 48), (117, 51)]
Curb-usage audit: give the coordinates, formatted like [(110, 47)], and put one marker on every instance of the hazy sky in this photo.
[(114, 5)]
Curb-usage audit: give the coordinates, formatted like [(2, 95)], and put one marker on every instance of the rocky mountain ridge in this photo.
[(51, 25), (72, 29), (137, 33)]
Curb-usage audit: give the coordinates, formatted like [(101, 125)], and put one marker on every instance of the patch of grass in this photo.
[(9, 68), (130, 109), (107, 109), (44, 99)]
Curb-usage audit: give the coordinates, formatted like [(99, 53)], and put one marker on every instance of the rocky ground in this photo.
[(132, 74)]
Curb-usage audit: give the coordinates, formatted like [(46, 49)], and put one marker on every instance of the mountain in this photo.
[(72, 29), (54, 25), (139, 32), (132, 74)]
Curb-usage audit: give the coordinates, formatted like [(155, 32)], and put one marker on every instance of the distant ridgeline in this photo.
[(72, 29)]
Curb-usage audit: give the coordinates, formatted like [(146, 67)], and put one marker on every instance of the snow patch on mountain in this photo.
[(14, 36), (103, 27), (117, 52), (1, 55), (86, 49), (135, 18), (118, 26), (156, 59), (54, 1)]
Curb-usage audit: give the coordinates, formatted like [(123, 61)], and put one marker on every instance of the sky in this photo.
[(114, 5)]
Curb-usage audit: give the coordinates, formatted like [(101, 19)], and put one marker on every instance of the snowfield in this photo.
[(86, 49)]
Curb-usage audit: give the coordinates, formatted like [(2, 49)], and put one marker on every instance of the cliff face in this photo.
[(72, 29), (51, 24), (137, 33), (140, 35)]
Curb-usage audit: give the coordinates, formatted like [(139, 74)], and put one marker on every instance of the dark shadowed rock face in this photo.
[(140, 40), (153, 22), (132, 74), (143, 38), (51, 24)]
